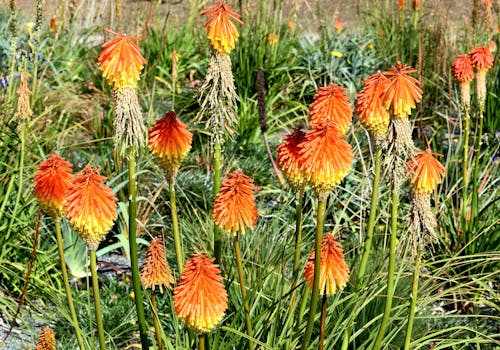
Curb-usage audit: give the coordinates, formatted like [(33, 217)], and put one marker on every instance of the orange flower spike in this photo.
[(200, 299), (371, 111), (325, 157), (90, 206), (481, 57), (52, 182), (155, 270), (334, 272), (222, 32), (403, 92), (332, 102), (462, 70), (234, 207), (289, 159), (47, 340), (170, 142), (121, 61), (426, 172)]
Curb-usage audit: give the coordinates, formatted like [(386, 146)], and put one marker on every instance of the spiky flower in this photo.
[(170, 142), (121, 61), (200, 299), (426, 172), (332, 102), (482, 60), (334, 272), (234, 207), (462, 70), (371, 111), (325, 157), (47, 340), (155, 270), (403, 91), (52, 182), (90, 206), (288, 159), (222, 32)]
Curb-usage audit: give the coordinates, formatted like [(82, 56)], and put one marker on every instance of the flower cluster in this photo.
[(155, 270)]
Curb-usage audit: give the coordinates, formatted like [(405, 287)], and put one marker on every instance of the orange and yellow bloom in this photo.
[(334, 272), (331, 102), (170, 142), (90, 206), (371, 111), (325, 157), (222, 32), (462, 70), (234, 207), (121, 61), (403, 91), (482, 58), (288, 158), (426, 172), (52, 182), (200, 299), (155, 270), (47, 340)]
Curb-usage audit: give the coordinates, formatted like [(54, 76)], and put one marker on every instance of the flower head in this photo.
[(90, 206), (288, 159), (426, 172), (222, 32), (200, 299), (462, 70), (52, 182), (482, 58), (155, 270), (371, 111), (47, 340), (234, 207), (325, 157), (170, 142), (121, 61), (403, 92), (332, 102), (272, 38), (334, 272)]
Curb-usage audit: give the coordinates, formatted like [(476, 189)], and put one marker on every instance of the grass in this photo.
[(457, 305)]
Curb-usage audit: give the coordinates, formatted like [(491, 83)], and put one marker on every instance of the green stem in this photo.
[(246, 306), (179, 253), (322, 324), (134, 261), (298, 236), (217, 175), (303, 304), (465, 170), (368, 240), (156, 320), (475, 174), (97, 300), (67, 288), (413, 304), (392, 265), (201, 342), (317, 261)]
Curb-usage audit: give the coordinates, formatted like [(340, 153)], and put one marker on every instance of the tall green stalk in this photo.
[(392, 265), (67, 288), (217, 177), (475, 174), (324, 305), (156, 320), (298, 236), (179, 253), (134, 260), (246, 306), (201, 342), (465, 169), (97, 300), (368, 239), (413, 304), (317, 261)]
